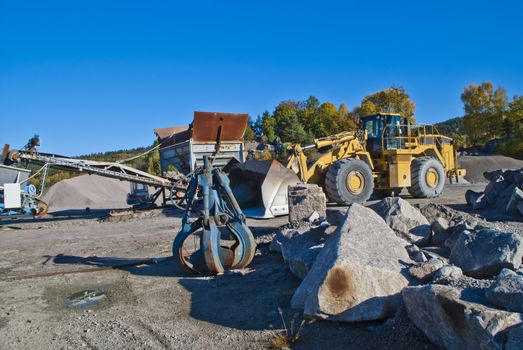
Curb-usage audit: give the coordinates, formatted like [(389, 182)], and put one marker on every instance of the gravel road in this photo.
[(63, 286)]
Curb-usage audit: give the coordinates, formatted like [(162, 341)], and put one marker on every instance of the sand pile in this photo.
[(87, 191), (477, 165)]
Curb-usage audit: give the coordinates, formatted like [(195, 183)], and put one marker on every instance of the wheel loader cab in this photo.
[(385, 131)]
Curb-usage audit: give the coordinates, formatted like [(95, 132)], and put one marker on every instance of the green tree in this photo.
[(288, 126), (392, 100), (306, 112), (515, 117), (269, 127), (485, 111), (257, 127), (153, 161), (325, 121), (302, 121), (513, 125)]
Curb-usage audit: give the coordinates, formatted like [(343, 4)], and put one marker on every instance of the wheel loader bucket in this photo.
[(260, 186)]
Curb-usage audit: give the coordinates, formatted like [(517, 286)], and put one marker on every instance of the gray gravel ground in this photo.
[(44, 262)]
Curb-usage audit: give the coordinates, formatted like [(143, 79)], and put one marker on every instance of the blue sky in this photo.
[(91, 76)]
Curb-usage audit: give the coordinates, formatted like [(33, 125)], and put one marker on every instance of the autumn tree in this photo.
[(513, 128), (249, 134), (347, 120), (303, 121), (392, 100), (485, 111)]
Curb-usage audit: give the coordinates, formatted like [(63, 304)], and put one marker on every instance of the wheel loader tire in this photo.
[(349, 181), (427, 176)]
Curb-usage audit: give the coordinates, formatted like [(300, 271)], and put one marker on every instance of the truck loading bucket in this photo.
[(260, 186)]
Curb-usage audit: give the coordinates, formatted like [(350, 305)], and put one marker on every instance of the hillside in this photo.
[(142, 163), (451, 126)]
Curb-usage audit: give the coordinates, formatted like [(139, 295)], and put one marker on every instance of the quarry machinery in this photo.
[(182, 151), (18, 198), (383, 156), (220, 135), (27, 202), (220, 236)]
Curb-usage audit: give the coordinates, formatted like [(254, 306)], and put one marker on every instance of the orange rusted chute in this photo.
[(215, 127)]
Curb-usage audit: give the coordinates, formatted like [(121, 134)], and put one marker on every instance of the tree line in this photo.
[(489, 117), (303, 121)]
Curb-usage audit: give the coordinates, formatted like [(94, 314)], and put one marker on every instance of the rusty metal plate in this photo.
[(206, 126)]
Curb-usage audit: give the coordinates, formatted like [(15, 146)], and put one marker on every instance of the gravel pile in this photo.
[(477, 165), (87, 191)]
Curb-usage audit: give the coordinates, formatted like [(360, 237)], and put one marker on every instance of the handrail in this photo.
[(419, 137)]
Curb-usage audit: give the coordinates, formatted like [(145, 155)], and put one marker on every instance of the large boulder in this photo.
[(300, 247), (477, 200), (494, 189), (507, 291), (483, 253), (515, 338), (307, 202), (359, 274), (404, 219), (453, 323), (456, 230)]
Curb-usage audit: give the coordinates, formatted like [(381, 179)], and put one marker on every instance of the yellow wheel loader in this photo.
[(385, 155)]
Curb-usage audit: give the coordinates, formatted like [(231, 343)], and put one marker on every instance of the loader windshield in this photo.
[(374, 126)]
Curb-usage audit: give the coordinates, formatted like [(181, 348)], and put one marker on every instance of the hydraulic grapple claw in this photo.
[(219, 237)]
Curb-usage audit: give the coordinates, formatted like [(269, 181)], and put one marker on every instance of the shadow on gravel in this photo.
[(247, 302), (135, 266), (62, 215)]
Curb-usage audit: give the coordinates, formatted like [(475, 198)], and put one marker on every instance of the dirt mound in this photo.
[(477, 165), (87, 191)]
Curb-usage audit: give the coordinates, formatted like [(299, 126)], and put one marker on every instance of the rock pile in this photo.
[(404, 219), (460, 280), (359, 273), (503, 192)]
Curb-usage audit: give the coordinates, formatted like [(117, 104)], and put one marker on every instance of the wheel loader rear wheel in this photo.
[(349, 181), (428, 177)]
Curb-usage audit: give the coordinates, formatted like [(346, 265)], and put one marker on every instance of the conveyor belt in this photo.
[(106, 169)]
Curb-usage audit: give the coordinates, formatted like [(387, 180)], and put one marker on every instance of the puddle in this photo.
[(88, 291), (86, 298)]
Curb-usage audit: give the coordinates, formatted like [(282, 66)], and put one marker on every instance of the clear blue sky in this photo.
[(91, 75)]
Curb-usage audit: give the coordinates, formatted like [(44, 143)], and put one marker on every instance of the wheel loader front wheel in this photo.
[(428, 177), (349, 181)]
